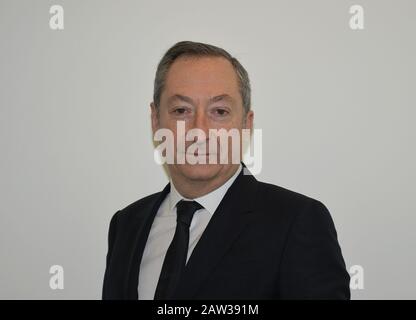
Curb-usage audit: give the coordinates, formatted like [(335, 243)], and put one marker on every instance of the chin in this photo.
[(199, 171)]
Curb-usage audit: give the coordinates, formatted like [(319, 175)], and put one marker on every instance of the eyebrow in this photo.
[(187, 99), (223, 96)]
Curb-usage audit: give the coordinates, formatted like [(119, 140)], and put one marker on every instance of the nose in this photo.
[(201, 121)]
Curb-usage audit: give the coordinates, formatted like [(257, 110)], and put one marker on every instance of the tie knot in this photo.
[(185, 211)]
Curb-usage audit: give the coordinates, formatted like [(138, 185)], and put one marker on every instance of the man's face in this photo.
[(204, 93)]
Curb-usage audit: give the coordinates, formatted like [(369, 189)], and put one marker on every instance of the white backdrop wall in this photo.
[(336, 106)]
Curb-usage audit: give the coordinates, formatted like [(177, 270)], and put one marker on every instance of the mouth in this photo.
[(200, 154)]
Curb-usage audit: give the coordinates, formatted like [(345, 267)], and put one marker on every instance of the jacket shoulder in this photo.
[(139, 207), (270, 193), (289, 204)]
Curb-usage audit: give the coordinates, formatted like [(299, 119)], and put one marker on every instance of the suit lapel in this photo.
[(143, 230), (227, 222)]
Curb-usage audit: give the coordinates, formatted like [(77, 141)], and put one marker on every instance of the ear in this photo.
[(248, 120), (154, 117)]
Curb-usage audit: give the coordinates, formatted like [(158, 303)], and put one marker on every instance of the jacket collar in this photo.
[(227, 222)]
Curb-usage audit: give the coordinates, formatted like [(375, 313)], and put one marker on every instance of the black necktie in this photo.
[(175, 259)]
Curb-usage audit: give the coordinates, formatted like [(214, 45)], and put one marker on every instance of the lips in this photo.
[(201, 154)]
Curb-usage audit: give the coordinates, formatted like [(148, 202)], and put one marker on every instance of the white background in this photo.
[(336, 106)]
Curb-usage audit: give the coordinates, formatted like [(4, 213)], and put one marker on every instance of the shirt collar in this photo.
[(210, 201)]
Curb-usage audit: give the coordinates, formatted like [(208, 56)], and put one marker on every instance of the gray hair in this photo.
[(198, 49)]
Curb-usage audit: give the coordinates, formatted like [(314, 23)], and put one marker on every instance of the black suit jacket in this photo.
[(262, 242)]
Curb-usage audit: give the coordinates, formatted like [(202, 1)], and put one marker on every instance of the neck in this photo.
[(192, 189)]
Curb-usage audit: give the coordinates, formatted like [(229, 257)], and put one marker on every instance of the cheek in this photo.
[(234, 124), (166, 122)]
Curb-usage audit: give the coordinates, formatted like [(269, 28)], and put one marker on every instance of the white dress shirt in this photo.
[(163, 229)]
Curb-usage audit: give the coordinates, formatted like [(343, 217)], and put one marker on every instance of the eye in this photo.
[(179, 110), (221, 112)]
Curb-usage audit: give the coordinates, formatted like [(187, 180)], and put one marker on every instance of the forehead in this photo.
[(202, 76)]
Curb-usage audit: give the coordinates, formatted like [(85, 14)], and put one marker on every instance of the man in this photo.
[(215, 232)]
